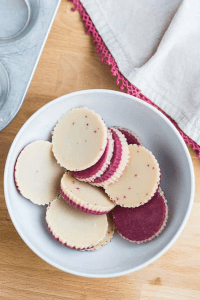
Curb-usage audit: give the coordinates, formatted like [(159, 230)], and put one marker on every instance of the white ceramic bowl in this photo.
[(157, 134)]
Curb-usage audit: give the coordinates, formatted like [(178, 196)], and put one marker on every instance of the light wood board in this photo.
[(69, 63)]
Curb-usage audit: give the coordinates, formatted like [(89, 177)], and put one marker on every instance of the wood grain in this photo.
[(69, 63)]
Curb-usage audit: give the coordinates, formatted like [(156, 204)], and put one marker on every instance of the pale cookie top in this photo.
[(37, 174), (85, 194), (73, 227), (109, 234), (139, 181), (79, 139)]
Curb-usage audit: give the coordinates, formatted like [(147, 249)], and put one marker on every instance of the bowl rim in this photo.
[(114, 274)]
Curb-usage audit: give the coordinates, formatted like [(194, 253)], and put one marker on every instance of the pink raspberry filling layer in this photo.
[(131, 139), (115, 160), (87, 173), (142, 223)]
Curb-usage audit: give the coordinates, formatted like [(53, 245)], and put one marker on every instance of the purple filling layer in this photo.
[(87, 173), (115, 160), (141, 223), (131, 139)]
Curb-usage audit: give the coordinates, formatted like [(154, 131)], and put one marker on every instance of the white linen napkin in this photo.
[(156, 44)]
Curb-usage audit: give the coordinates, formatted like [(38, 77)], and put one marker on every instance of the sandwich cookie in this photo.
[(73, 228), (139, 181), (131, 138), (79, 139), (118, 161), (37, 174), (144, 223), (85, 197)]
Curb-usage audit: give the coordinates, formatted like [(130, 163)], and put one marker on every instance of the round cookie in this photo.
[(118, 161), (90, 174), (142, 224), (74, 228), (85, 197), (37, 174), (139, 181), (79, 139), (109, 235), (131, 138)]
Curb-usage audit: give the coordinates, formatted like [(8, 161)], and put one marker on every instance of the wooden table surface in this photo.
[(69, 63)]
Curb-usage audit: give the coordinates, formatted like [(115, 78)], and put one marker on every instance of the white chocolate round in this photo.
[(79, 139), (139, 181), (37, 174), (86, 195), (74, 228)]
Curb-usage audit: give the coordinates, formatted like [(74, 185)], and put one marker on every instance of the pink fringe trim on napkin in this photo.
[(106, 56)]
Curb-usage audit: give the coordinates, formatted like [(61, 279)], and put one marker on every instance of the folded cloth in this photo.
[(156, 44)]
